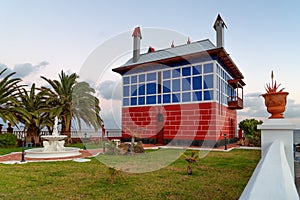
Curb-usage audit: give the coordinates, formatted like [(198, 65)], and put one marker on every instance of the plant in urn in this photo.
[(275, 99)]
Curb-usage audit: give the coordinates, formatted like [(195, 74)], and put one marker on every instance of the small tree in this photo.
[(249, 126), (193, 158), (134, 134)]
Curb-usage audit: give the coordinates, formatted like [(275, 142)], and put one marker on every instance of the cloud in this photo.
[(110, 90), (2, 66), (292, 109), (23, 70), (254, 107), (8, 70)]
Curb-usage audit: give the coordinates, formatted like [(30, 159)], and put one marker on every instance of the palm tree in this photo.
[(9, 97), (33, 111), (70, 99), (86, 106)]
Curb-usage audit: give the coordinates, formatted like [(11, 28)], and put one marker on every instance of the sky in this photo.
[(41, 38)]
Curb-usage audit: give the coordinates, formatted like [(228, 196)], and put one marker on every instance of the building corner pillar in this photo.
[(281, 130)]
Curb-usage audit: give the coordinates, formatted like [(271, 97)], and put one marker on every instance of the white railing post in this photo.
[(278, 129)]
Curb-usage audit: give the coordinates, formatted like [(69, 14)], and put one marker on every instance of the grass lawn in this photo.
[(216, 176)]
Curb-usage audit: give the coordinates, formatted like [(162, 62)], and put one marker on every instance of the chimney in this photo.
[(137, 36), (219, 27)]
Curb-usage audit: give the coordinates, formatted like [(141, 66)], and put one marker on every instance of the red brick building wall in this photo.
[(191, 122)]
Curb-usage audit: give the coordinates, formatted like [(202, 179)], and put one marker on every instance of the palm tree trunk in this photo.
[(66, 131)]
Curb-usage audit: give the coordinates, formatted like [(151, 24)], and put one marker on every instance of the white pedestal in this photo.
[(282, 130)]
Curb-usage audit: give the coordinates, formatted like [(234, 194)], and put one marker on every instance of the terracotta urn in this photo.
[(275, 103)]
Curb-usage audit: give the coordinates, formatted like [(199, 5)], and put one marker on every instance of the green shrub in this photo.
[(8, 140)]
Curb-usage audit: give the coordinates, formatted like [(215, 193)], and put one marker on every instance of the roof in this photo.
[(172, 52), (183, 52)]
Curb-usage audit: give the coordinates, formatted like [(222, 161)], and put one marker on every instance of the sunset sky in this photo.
[(41, 38)]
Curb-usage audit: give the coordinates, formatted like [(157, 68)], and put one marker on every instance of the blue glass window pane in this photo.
[(167, 74), (197, 96), (186, 71), (125, 80), (209, 81), (134, 101), (197, 69), (176, 85), (176, 98), (126, 91), (141, 100), (166, 98), (141, 89), (142, 78), (159, 99), (208, 68), (186, 84), (151, 100), (228, 90), (151, 88), (151, 76), (126, 102), (133, 90), (176, 73), (166, 86), (186, 97), (197, 83), (133, 79), (208, 95)]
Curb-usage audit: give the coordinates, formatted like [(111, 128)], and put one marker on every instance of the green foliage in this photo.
[(33, 111), (249, 126), (9, 96), (37, 107), (73, 100), (8, 140), (255, 139)]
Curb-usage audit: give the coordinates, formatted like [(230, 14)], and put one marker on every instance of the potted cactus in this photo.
[(275, 99)]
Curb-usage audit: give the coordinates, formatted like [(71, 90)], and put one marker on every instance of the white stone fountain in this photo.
[(53, 146)]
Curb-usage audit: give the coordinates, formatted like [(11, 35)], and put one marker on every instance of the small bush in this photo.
[(8, 140)]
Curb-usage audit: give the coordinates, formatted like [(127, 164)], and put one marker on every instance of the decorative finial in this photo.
[(188, 41), (172, 45)]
